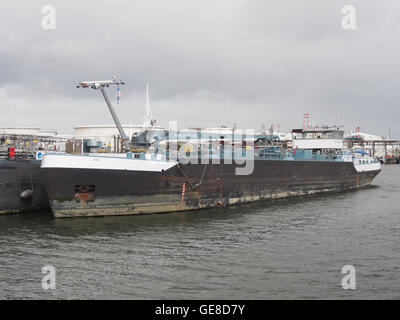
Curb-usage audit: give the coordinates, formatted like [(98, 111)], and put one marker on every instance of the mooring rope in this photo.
[(187, 179)]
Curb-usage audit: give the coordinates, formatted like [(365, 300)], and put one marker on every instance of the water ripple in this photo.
[(290, 248)]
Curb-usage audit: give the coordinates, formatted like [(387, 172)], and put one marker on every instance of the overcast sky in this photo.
[(208, 63)]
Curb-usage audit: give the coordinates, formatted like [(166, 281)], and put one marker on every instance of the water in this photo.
[(286, 249)]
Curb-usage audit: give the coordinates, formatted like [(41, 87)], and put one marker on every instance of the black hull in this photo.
[(93, 192), (17, 176)]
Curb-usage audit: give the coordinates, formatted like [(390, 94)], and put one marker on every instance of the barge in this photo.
[(178, 174), (21, 186), (92, 185), (21, 151)]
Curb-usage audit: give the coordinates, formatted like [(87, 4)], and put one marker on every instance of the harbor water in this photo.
[(283, 249)]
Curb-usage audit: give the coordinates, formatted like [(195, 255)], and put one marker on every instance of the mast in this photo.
[(148, 117)]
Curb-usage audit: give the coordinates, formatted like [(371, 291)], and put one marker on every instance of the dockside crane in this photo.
[(101, 85)]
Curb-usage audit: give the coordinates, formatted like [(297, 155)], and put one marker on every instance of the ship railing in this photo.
[(297, 154), (244, 154), (271, 153)]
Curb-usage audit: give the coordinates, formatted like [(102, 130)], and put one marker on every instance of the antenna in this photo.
[(306, 122), (105, 84)]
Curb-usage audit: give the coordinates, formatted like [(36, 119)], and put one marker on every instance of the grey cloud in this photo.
[(208, 62)]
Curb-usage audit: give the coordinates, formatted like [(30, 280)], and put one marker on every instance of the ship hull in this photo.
[(100, 192), (17, 176)]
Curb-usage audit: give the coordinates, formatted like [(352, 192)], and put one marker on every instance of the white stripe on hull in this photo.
[(367, 167), (104, 162), (121, 162)]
